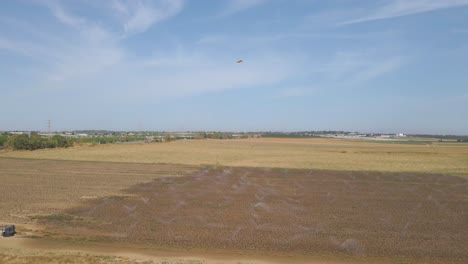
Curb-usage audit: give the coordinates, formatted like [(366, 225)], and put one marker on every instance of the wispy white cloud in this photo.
[(357, 67), (89, 48), (399, 8), (187, 73), (260, 39), (27, 49), (177, 74), (139, 16), (97, 57), (377, 69), (85, 61), (95, 47), (89, 30), (64, 17), (236, 6), (134, 16), (31, 30)]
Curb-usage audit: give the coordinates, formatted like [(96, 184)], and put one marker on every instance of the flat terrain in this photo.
[(243, 201), (419, 217), (326, 154), (359, 217), (41, 187)]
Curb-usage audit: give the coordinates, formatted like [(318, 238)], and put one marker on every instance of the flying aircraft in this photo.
[(240, 61)]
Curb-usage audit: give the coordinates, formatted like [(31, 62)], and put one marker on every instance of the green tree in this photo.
[(36, 142), (62, 142), (3, 140), (33, 142), (18, 142)]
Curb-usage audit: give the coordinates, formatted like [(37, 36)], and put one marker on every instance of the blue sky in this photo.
[(369, 66)]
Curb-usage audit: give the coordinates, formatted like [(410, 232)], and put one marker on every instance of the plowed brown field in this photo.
[(410, 216)]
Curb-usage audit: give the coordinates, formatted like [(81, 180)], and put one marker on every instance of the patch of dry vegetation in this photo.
[(57, 258), (327, 154), (41, 187), (23, 256)]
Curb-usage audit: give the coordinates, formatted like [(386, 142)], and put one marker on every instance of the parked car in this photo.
[(8, 231)]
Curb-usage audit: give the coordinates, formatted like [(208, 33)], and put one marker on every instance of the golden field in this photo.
[(323, 154), (40, 187)]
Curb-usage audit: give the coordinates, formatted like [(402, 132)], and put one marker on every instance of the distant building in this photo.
[(19, 132)]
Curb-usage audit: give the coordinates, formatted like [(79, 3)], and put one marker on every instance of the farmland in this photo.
[(322, 154), (246, 201), (38, 187), (298, 212)]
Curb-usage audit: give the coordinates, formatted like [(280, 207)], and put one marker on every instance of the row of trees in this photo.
[(26, 142), (217, 135), (109, 140)]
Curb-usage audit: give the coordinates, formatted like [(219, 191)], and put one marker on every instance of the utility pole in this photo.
[(49, 126)]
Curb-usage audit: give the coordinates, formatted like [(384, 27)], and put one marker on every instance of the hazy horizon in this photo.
[(232, 131), (389, 66)]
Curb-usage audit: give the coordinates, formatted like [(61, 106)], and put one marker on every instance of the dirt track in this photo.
[(24, 250), (402, 216)]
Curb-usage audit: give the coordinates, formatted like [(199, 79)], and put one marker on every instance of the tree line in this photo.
[(33, 142)]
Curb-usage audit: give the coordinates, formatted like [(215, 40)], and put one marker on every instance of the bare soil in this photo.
[(401, 216)]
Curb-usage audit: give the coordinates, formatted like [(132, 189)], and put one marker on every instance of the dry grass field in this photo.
[(326, 154), (40, 187), (21, 257)]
